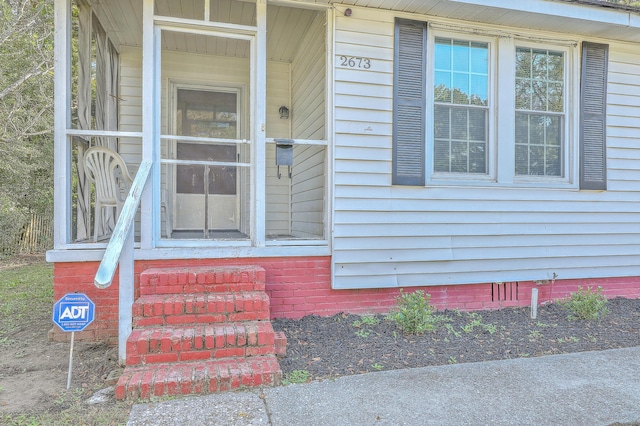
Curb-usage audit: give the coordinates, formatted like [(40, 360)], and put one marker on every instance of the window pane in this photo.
[(442, 91), (539, 136), (556, 97), (477, 125), (460, 133), (478, 89), (461, 89), (540, 80), (538, 145), (459, 123), (459, 157), (460, 54), (441, 156), (523, 94), (460, 140), (441, 122)]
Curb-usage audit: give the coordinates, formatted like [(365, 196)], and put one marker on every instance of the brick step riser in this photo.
[(197, 378), (201, 280), (157, 310), (165, 345)]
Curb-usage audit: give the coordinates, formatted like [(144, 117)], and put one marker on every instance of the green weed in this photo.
[(413, 313), (586, 304), (297, 376), (363, 333), (476, 323), (535, 335), (377, 366)]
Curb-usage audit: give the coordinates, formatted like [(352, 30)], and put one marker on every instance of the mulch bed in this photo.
[(344, 344)]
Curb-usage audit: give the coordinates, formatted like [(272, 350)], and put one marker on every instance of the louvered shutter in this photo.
[(593, 117), (409, 103)]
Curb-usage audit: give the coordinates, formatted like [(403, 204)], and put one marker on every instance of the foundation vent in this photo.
[(501, 292)]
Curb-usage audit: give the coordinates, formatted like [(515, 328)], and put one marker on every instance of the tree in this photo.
[(26, 111), (635, 3)]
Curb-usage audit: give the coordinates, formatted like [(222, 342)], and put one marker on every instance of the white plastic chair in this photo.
[(108, 171)]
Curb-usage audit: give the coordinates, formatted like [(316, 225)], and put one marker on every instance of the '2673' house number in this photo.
[(355, 62)]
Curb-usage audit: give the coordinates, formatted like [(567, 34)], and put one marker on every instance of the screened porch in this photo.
[(227, 99)]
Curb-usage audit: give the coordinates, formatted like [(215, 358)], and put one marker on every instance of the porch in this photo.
[(227, 100)]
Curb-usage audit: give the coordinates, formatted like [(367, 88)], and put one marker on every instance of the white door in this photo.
[(207, 195)]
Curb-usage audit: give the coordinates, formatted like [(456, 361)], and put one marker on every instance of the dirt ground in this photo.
[(34, 374), (345, 344), (34, 371)]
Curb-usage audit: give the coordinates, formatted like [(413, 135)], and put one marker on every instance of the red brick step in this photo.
[(172, 309), (202, 280), (200, 342), (214, 376), (200, 330)]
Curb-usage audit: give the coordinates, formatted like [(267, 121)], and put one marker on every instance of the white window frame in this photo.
[(454, 178), (501, 110)]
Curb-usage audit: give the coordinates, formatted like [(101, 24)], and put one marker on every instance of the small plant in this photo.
[(451, 330), (413, 314), (586, 304), (452, 360), (363, 333), (534, 335), (370, 320), (297, 376), (476, 322), (377, 366)]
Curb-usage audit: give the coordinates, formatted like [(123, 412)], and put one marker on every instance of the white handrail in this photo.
[(124, 226)]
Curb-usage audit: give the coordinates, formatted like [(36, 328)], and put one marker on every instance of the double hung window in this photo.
[(497, 110)]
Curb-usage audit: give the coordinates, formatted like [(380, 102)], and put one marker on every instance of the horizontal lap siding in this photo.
[(308, 73), (393, 236)]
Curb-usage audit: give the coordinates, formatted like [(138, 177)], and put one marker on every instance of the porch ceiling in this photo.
[(586, 18), (286, 26)]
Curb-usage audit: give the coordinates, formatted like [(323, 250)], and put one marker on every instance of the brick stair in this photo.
[(200, 330)]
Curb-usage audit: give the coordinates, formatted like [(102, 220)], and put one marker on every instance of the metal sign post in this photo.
[(73, 312)]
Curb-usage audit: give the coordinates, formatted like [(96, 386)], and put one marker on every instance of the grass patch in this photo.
[(23, 291), (297, 376)]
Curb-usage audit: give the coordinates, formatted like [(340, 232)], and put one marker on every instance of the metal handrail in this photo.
[(124, 226)]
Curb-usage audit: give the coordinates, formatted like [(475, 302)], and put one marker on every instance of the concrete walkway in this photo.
[(589, 388)]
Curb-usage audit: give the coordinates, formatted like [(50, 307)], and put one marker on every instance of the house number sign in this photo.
[(355, 62)]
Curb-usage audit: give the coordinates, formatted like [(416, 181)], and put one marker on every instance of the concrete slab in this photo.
[(589, 388), (233, 409)]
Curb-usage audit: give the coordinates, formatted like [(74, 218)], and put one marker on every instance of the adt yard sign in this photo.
[(73, 312)]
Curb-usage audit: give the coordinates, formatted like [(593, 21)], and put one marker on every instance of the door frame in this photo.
[(174, 85)]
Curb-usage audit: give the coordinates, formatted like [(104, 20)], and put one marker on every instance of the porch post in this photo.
[(259, 90), (149, 109), (62, 121)]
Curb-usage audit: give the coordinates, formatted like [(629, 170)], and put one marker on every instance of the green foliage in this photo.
[(586, 304), (297, 376), (26, 108), (413, 313), (476, 323)]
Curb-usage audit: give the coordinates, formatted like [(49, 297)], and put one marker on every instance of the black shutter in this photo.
[(409, 91), (593, 117)]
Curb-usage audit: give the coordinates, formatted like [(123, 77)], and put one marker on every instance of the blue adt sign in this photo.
[(73, 312)]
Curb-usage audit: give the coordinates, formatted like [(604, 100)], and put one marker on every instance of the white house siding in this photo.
[(387, 236), (308, 122), (278, 191), (215, 71)]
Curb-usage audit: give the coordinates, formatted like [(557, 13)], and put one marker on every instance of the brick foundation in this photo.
[(299, 286)]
